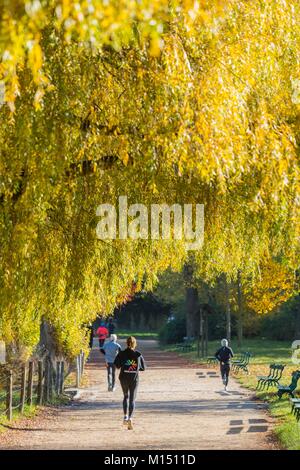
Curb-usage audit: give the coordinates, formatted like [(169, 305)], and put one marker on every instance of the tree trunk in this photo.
[(192, 304), (297, 318), (240, 311), (206, 334), (132, 322), (192, 311), (142, 324), (153, 322), (47, 344), (48, 349), (228, 311)]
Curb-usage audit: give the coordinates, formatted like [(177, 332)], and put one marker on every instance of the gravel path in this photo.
[(180, 406)]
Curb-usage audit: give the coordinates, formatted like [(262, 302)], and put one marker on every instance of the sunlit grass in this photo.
[(29, 412), (137, 334)]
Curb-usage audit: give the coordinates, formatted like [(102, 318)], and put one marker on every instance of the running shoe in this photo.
[(125, 421), (130, 427)]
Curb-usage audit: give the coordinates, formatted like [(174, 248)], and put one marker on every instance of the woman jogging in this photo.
[(224, 354), (130, 362)]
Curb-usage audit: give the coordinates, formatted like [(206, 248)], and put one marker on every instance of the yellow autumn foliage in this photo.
[(275, 285), (181, 101)]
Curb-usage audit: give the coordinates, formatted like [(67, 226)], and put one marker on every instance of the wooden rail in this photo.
[(35, 382)]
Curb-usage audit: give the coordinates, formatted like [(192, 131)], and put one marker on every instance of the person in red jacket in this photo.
[(102, 334)]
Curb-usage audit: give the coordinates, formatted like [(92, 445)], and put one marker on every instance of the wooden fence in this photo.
[(36, 382)]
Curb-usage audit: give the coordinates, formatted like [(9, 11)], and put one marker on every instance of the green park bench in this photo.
[(295, 407), (294, 402), (282, 389), (242, 364), (297, 411), (240, 358), (187, 345), (275, 374)]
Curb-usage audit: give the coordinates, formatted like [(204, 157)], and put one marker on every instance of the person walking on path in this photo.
[(224, 354), (130, 362), (111, 326), (111, 350), (102, 334)]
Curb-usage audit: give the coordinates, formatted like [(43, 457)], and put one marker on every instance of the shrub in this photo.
[(173, 331)]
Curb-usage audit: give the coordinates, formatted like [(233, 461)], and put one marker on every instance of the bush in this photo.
[(281, 325), (173, 331)]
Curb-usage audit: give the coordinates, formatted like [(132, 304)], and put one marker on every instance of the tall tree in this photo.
[(163, 101)]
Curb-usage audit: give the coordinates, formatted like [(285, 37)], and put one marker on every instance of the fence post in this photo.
[(40, 383), (50, 379), (23, 388), (57, 378), (9, 395), (30, 383), (77, 371), (82, 364), (62, 378), (46, 381)]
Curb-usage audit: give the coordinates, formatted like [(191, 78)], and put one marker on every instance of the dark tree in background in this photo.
[(144, 313)]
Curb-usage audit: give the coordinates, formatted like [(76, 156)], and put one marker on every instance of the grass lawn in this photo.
[(264, 353), (137, 334)]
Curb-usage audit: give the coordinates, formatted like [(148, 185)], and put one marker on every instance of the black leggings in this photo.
[(225, 369), (129, 386)]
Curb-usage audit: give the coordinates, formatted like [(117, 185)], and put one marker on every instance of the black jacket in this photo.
[(130, 362), (224, 355)]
